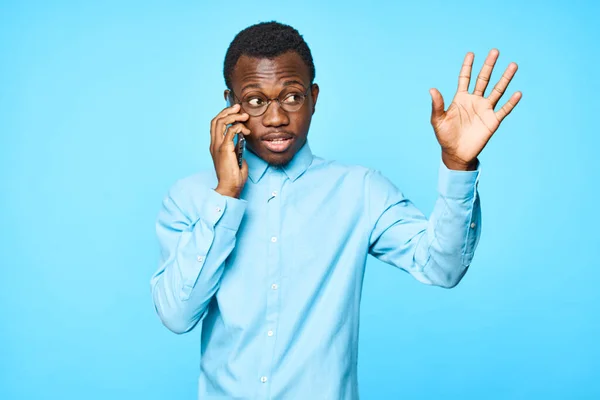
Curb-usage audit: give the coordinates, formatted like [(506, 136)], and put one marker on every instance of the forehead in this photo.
[(269, 72)]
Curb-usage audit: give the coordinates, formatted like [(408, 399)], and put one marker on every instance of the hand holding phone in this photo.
[(227, 155), (240, 145)]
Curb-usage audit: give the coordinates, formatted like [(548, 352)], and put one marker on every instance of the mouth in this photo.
[(278, 145)]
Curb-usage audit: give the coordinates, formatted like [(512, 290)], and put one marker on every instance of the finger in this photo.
[(224, 124), (486, 71), (221, 125), (509, 106), (231, 132), (226, 111), (464, 78), (230, 119), (502, 84), (437, 104)]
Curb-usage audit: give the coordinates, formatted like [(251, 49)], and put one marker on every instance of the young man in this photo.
[(274, 265)]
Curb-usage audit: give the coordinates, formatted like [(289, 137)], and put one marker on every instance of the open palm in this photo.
[(467, 125)]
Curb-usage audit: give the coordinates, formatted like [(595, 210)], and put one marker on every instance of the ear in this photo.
[(227, 96), (314, 91)]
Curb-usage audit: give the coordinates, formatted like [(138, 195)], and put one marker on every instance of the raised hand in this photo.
[(470, 121)]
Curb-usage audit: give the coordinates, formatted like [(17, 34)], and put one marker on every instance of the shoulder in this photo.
[(339, 170), (370, 179)]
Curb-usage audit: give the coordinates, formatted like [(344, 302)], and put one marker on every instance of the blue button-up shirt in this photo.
[(276, 275)]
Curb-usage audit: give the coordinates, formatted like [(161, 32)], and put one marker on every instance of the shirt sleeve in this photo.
[(196, 229), (437, 251)]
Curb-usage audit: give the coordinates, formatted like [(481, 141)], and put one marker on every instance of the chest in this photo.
[(297, 230)]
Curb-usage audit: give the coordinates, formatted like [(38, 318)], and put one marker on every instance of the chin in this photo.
[(280, 160)]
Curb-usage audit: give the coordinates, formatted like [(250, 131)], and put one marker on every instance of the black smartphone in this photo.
[(240, 146), (240, 143)]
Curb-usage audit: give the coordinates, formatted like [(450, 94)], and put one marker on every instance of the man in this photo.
[(273, 265)]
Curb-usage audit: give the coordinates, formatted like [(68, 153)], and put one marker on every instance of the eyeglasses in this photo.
[(256, 104)]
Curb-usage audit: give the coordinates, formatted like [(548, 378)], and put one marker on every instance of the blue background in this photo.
[(103, 106)]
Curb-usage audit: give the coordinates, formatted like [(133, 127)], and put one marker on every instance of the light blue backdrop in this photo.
[(103, 106)]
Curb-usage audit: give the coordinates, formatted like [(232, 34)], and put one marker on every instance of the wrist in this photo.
[(453, 163), (227, 192)]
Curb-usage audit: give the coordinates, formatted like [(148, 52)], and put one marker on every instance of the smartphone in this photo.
[(240, 143), (240, 146)]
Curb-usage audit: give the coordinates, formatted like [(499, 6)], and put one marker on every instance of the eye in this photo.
[(255, 102), (293, 98)]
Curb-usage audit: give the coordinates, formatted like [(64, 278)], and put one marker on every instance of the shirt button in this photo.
[(270, 333), (218, 209), (274, 193), (473, 225), (274, 239), (274, 286), (200, 258), (263, 379)]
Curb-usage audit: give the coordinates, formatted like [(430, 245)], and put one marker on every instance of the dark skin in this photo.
[(462, 130), (270, 77)]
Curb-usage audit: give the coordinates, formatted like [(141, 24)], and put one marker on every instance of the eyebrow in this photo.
[(286, 83)]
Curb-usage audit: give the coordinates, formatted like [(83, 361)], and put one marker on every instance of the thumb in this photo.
[(437, 104)]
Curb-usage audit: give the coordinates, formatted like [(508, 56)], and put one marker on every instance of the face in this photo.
[(269, 77)]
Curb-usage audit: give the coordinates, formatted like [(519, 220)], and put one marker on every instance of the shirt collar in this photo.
[(296, 167)]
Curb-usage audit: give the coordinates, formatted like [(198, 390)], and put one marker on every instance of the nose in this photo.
[(275, 116)]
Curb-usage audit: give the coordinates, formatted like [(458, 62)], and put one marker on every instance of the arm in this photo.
[(440, 250), (437, 251), (196, 233)]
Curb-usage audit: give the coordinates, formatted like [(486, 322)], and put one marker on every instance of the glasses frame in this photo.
[(270, 100)]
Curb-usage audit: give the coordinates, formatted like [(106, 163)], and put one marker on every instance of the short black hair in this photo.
[(266, 40)]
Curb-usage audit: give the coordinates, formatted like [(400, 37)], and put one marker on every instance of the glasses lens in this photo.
[(254, 105), (254, 111), (292, 101)]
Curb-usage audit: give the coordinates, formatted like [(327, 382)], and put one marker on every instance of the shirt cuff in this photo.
[(458, 184), (224, 210)]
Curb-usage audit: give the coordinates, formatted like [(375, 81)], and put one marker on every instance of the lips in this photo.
[(278, 142), (277, 135)]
